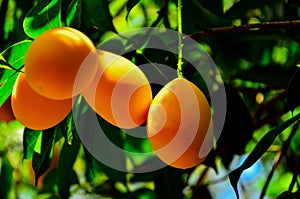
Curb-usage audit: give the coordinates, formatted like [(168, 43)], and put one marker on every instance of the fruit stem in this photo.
[(180, 44)]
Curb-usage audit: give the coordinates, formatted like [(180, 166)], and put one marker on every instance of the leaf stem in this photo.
[(180, 44)]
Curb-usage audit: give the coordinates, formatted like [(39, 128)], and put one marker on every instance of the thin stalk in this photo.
[(180, 44)]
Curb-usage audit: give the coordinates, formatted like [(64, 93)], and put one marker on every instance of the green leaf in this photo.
[(259, 150), (5, 65), (71, 12), (289, 195), (6, 177), (49, 181), (65, 174), (195, 17), (238, 125), (66, 128), (30, 138), (130, 4), (293, 91), (44, 16), (95, 166), (169, 183), (14, 56), (6, 88), (239, 9), (42, 161), (94, 24)]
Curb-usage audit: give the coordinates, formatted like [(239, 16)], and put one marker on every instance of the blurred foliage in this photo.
[(257, 155)]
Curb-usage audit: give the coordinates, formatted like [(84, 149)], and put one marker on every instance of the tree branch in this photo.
[(247, 27)]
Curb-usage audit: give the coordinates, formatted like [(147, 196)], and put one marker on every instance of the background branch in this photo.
[(247, 27)]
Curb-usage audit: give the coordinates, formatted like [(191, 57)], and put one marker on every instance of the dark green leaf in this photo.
[(108, 189), (259, 150), (65, 174), (169, 183), (30, 138), (49, 181), (257, 74), (195, 17), (215, 6), (130, 4), (238, 125), (93, 18), (6, 177), (289, 195), (41, 160), (293, 92), (66, 5), (44, 16)]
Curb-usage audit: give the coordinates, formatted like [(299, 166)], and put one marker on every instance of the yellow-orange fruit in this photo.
[(120, 92), (6, 113), (35, 111), (179, 124), (56, 58)]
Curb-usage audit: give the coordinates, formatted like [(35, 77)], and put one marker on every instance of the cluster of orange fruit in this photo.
[(63, 62)]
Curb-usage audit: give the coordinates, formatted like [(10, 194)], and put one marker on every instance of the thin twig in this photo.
[(247, 27), (278, 159)]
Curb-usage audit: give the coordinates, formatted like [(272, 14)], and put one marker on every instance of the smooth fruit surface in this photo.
[(178, 124), (35, 111), (56, 58), (120, 92), (6, 113)]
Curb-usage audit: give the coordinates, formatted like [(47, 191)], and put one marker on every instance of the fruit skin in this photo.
[(35, 111), (6, 113), (178, 122), (120, 92), (56, 58)]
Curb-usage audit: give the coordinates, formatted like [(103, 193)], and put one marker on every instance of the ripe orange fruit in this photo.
[(6, 113), (178, 121), (56, 58), (35, 111), (120, 92)]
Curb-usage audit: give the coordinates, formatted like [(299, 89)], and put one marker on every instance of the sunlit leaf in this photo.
[(44, 16), (14, 57), (240, 8), (71, 12), (30, 138), (130, 4), (5, 65), (15, 54), (259, 150)]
